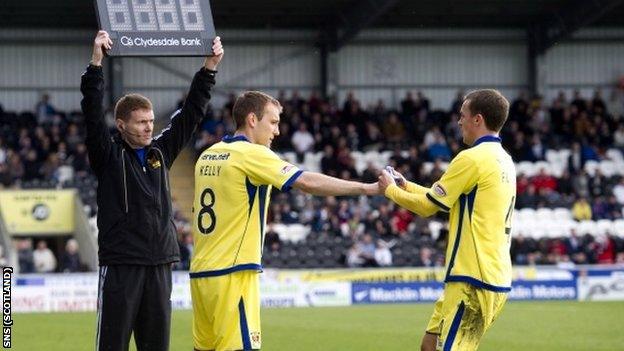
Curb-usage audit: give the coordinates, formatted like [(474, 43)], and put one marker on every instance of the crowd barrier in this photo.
[(307, 288)]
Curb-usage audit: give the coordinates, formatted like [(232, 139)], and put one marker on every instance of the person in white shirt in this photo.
[(44, 259), (302, 141)]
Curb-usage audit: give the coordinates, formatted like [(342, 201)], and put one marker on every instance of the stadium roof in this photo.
[(330, 13)]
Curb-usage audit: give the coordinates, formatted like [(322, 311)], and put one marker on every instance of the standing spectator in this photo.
[(408, 105), (580, 183), (25, 256), (70, 260), (618, 137), (302, 141), (43, 258), (615, 105), (3, 260), (393, 130), (44, 109), (578, 101)]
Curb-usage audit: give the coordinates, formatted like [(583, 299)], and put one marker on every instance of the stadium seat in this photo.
[(562, 213), (526, 168), (587, 227), (604, 226), (615, 155), (526, 214), (618, 228), (544, 214), (591, 166), (608, 168)]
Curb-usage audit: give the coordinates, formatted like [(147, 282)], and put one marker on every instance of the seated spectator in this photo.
[(70, 260), (521, 247), (43, 258), (272, 237), (426, 257), (544, 181), (383, 256), (365, 250), (581, 210)]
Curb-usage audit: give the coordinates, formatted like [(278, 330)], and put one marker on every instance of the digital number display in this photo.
[(157, 27)]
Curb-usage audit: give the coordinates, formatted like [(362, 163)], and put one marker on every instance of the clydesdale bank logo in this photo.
[(158, 42)]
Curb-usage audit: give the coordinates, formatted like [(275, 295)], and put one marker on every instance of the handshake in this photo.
[(389, 176)]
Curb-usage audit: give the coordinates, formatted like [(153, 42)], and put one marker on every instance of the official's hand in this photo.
[(212, 61), (385, 180), (102, 41)]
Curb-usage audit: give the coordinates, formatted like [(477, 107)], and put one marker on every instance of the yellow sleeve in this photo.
[(263, 166), (414, 201), (460, 177), (415, 188)]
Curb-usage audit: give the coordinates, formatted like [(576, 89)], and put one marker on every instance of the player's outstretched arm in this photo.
[(416, 202), (323, 185), (92, 88)]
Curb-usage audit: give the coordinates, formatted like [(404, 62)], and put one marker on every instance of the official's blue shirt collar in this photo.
[(233, 138), (487, 138), (141, 154)]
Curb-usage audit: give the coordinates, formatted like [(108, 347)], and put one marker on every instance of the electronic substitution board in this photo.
[(157, 27)]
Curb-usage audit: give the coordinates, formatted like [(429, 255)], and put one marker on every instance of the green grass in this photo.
[(522, 326)]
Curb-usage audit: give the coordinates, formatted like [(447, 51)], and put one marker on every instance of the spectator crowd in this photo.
[(46, 149)]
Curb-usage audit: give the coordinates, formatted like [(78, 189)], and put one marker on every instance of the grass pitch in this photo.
[(522, 326)]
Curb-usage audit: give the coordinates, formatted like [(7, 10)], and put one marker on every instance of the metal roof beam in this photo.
[(571, 18), (360, 15)]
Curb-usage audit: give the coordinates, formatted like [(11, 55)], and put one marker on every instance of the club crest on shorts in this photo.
[(255, 339), (439, 190)]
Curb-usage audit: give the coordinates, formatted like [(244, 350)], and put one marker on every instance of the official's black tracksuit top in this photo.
[(135, 218)]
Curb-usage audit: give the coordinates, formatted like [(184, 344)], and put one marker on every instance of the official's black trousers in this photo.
[(137, 299)]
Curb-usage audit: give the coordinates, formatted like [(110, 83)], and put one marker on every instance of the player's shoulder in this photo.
[(468, 155)]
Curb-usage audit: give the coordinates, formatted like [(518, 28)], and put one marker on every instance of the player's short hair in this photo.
[(251, 101), (490, 104), (131, 102)]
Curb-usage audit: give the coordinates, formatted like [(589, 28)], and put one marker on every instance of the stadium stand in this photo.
[(570, 169)]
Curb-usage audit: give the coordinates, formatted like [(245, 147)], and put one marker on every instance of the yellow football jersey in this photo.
[(233, 182), (479, 191)]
